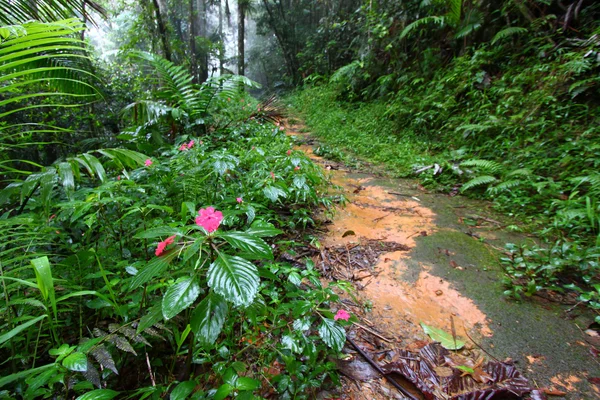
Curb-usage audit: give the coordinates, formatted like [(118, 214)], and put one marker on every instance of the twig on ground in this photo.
[(373, 332)]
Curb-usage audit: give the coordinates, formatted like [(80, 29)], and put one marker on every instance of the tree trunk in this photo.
[(192, 38), (241, 35), (162, 30), (203, 64), (222, 45)]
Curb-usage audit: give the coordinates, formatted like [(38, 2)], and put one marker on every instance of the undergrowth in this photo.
[(151, 269)]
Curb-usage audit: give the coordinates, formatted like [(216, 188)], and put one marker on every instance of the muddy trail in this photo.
[(418, 258)]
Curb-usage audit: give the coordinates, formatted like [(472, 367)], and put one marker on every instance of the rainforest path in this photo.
[(417, 257)]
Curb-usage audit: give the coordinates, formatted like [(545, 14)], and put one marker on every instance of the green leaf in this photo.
[(234, 278), (43, 274), (444, 338), (99, 394), (332, 334), (208, 318), (23, 374), (163, 231), (263, 229), (223, 391), (76, 362), (183, 390), (244, 383), (248, 243), (154, 315), (273, 193), (15, 331), (156, 266), (179, 297)]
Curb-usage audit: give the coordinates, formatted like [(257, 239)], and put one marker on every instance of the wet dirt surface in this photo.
[(437, 263)]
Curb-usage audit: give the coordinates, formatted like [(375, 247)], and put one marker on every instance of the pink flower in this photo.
[(342, 314), (119, 177), (239, 200), (148, 162), (183, 147), (253, 147), (161, 245), (282, 128), (297, 168), (209, 219), (191, 144), (272, 175), (289, 152)]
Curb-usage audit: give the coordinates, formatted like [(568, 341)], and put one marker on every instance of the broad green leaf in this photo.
[(23, 374), (15, 331), (332, 334), (156, 266), (76, 362), (248, 243), (153, 316), (245, 383), (273, 193), (208, 318), (179, 297), (444, 338), (183, 390), (290, 343), (223, 391), (234, 278), (99, 394), (263, 229), (43, 273), (163, 232), (65, 172)]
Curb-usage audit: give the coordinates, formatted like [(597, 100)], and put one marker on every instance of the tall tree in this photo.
[(162, 30), (242, 5)]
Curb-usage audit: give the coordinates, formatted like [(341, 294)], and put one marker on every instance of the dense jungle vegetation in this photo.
[(148, 189)]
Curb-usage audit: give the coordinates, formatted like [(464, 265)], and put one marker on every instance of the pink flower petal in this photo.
[(342, 314), (148, 162), (209, 219), (239, 200)]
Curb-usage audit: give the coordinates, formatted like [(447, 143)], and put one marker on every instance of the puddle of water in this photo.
[(373, 213)]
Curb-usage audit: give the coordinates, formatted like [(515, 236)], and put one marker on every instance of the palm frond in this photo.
[(454, 12), (20, 11), (508, 32), (441, 21)]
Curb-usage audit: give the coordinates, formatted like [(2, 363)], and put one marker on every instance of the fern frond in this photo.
[(102, 355), (441, 21), (508, 32), (478, 181), (486, 165), (593, 180), (506, 185)]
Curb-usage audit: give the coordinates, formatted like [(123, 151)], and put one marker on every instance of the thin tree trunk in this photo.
[(162, 30), (193, 34), (241, 35), (222, 45)]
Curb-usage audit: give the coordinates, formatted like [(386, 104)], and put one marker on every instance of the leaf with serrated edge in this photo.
[(332, 334), (179, 297), (103, 357), (234, 278), (75, 362), (156, 266), (249, 243), (122, 344), (208, 318)]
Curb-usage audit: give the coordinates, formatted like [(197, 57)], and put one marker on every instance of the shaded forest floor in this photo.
[(415, 257)]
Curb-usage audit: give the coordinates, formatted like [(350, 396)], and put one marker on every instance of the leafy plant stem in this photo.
[(108, 285)]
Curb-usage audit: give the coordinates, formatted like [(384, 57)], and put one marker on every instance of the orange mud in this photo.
[(399, 307)]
